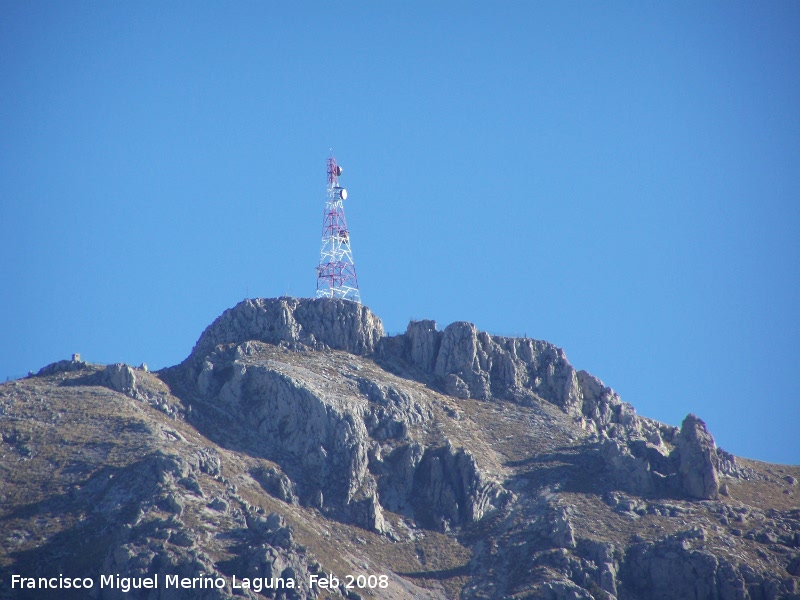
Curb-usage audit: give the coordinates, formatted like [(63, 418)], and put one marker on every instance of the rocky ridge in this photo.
[(297, 439)]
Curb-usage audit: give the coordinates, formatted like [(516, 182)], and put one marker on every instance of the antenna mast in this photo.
[(336, 273)]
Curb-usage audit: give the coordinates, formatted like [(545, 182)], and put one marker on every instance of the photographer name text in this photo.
[(153, 582)]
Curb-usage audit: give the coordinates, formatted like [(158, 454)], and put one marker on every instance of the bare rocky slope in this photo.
[(299, 443)]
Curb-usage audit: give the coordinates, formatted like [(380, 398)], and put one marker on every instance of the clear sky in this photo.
[(621, 179)]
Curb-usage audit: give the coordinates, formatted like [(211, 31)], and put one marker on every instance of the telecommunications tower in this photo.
[(336, 273)]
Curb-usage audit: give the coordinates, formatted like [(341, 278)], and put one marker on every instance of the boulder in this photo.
[(120, 378)]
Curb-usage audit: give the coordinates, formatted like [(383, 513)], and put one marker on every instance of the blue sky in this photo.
[(620, 179)]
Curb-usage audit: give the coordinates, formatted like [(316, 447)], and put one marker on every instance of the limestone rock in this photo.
[(120, 378), (565, 590), (648, 466), (458, 350), (725, 463), (306, 402), (321, 444), (678, 567), (422, 344), (320, 322), (449, 489), (397, 473), (697, 453), (455, 386), (629, 472), (468, 363), (601, 554), (276, 483), (62, 366), (391, 411), (562, 534)]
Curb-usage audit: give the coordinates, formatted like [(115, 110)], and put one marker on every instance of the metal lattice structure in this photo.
[(336, 273)]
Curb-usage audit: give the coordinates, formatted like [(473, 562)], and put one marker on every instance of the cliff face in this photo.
[(297, 440)]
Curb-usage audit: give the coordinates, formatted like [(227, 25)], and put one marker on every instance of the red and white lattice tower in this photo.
[(336, 273)]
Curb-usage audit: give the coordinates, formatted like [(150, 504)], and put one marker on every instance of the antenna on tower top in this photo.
[(336, 272)]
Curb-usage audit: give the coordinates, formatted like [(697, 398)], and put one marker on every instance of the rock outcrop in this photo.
[(680, 566), (319, 439), (640, 453), (317, 324), (450, 490), (698, 455), (468, 363), (328, 446), (120, 378)]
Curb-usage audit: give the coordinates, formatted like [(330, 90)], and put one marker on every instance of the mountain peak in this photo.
[(313, 322)]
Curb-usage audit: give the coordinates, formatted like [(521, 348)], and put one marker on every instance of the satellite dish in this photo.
[(343, 193), (338, 170)]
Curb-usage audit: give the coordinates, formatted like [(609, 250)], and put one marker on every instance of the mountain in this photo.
[(299, 452)]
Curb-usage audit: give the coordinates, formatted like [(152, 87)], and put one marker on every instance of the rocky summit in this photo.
[(300, 452)]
